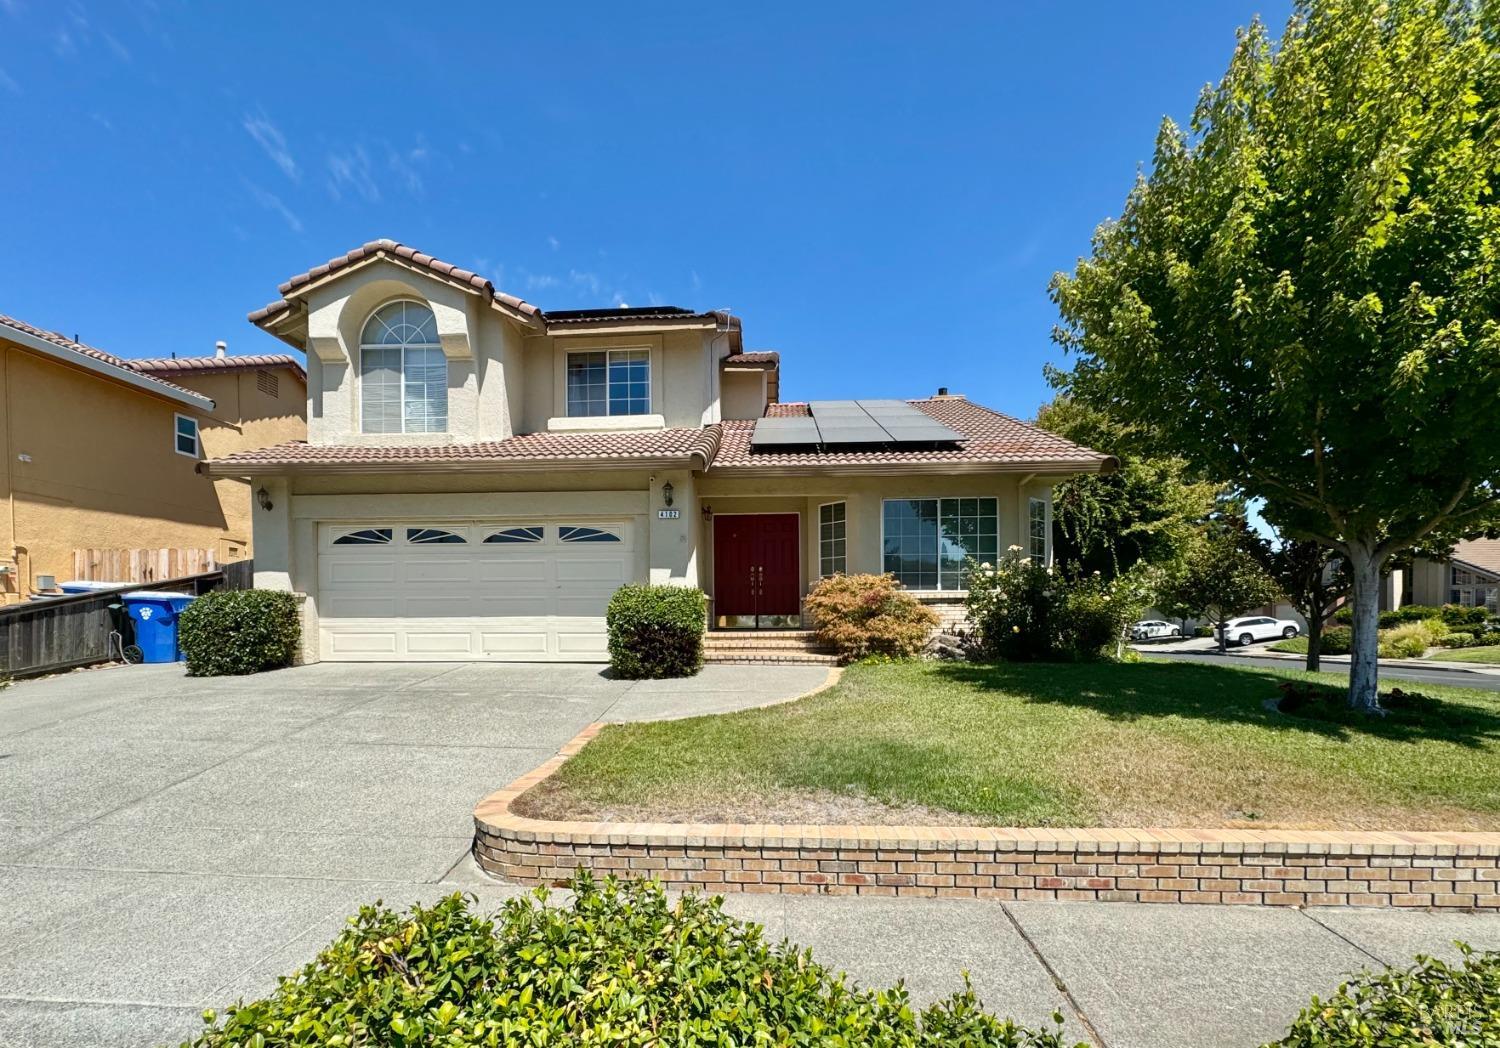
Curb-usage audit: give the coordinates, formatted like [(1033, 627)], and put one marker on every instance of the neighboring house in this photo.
[(101, 454), (481, 475), (1470, 576)]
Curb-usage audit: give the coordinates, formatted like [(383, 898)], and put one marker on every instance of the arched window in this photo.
[(403, 375)]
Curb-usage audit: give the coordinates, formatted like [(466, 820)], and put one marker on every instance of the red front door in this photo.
[(756, 564)]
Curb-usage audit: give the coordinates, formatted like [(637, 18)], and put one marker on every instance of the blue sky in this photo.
[(881, 196)]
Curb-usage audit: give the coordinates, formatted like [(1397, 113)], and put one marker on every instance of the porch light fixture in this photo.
[(708, 512), (666, 494), (263, 497)]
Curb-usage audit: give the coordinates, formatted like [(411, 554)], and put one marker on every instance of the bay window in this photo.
[(927, 543)]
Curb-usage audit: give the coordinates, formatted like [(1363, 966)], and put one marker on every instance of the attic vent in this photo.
[(267, 383)]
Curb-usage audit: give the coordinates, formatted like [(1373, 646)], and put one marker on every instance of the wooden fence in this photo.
[(59, 633), (141, 565)]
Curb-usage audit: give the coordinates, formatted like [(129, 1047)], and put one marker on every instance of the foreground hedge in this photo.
[(655, 631), (1431, 1003), (621, 966), (234, 632)]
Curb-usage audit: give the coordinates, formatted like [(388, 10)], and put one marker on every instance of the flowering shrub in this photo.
[(1024, 612), (863, 615)]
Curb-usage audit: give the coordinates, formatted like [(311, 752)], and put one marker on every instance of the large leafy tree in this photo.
[(1302, 295), (1149, 510)]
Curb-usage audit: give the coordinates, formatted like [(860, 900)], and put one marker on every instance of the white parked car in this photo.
[(1154, 629), (1258, 627)]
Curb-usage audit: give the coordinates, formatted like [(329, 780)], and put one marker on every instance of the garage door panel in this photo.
[(523, 601), (344, 570), (455, 642), (521, 644)]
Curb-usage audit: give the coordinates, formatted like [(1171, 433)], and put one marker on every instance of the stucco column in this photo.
[(272, 533), (673, 541)]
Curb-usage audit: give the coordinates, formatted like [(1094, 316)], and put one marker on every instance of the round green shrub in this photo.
[(1457, 640), (860, 616), (1338, 640), (234, 632), (655, 631), (1431, 1003), (621, 965)]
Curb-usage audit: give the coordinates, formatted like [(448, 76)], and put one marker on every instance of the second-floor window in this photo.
[(403, 374), (609, 382)]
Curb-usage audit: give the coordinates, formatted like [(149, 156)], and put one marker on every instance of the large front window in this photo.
[(609, 382), (928, 542), (403, 374)]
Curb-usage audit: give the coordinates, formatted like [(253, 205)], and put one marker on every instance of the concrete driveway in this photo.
[(169, 844)]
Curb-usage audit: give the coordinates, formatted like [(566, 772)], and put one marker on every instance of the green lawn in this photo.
[(1296, 645), (1149, 743), (1490, 653)]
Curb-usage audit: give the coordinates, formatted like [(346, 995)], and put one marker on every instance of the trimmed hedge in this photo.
[(620, 965), (655, 631), (863, 615), (234, 632), (1430, 1003), (1337, 640), (1456, 616)]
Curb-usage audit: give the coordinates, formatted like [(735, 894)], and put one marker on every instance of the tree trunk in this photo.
[(1364, 670), (1314, 643), (1221, 628)]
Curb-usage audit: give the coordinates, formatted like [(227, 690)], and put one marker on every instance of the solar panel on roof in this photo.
[(784, 432)]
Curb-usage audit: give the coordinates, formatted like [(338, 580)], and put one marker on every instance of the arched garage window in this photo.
[(403, 375)]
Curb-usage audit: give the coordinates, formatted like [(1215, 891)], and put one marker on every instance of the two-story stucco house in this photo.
[(480, 475), (99, 456)]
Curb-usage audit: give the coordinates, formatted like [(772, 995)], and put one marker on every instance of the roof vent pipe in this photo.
[(942, 391), (221, 349)]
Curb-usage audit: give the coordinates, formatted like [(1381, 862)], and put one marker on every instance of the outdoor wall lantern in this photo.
[(264, 498), (666, 494)]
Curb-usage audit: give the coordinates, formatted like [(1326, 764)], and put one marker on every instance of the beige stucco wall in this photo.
[(503, 377), (743, 394), (102, 470)]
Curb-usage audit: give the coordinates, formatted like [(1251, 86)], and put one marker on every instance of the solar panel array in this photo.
[(844, 423)]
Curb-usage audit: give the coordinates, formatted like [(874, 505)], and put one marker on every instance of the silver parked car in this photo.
[(1252, 628), (1154, 629)]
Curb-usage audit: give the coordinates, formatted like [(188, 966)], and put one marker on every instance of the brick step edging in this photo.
[(1438, 870)]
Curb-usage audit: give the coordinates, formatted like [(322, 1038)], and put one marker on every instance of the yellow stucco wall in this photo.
[(101, 469)]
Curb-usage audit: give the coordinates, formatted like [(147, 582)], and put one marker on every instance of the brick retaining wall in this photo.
[(1271, 867)]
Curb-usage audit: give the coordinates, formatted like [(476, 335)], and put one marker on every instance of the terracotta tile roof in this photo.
[(794, 410), (753, 359), (178, 365), (1482, 553), (63, 342), (991, 438), (405, 252), (534, 448)]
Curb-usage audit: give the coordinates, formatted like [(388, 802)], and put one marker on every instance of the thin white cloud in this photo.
[(273, 203), (697, 280), (269, 137), (9, 82), (403, 166), (121, 51), (586, 281), (620, 301), (553, 243), (540, 281), (349, 172), (11, 7)]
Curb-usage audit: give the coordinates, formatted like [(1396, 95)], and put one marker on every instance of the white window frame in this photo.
[(939, 499), (1045, 556), (359, 373), (609, 352), (197, 451), (843, 557)]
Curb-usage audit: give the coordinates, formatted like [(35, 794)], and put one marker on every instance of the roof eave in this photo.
[(222, 468), (99, 367), (927, 468)]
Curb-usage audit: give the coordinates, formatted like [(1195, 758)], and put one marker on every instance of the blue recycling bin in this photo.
[(155, 616)]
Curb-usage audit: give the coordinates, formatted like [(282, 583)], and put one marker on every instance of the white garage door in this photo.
[(520, 591)]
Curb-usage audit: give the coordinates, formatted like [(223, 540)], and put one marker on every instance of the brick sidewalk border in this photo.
[(1270, 867)]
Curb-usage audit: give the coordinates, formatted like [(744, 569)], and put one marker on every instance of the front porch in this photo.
[(765, 542)]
